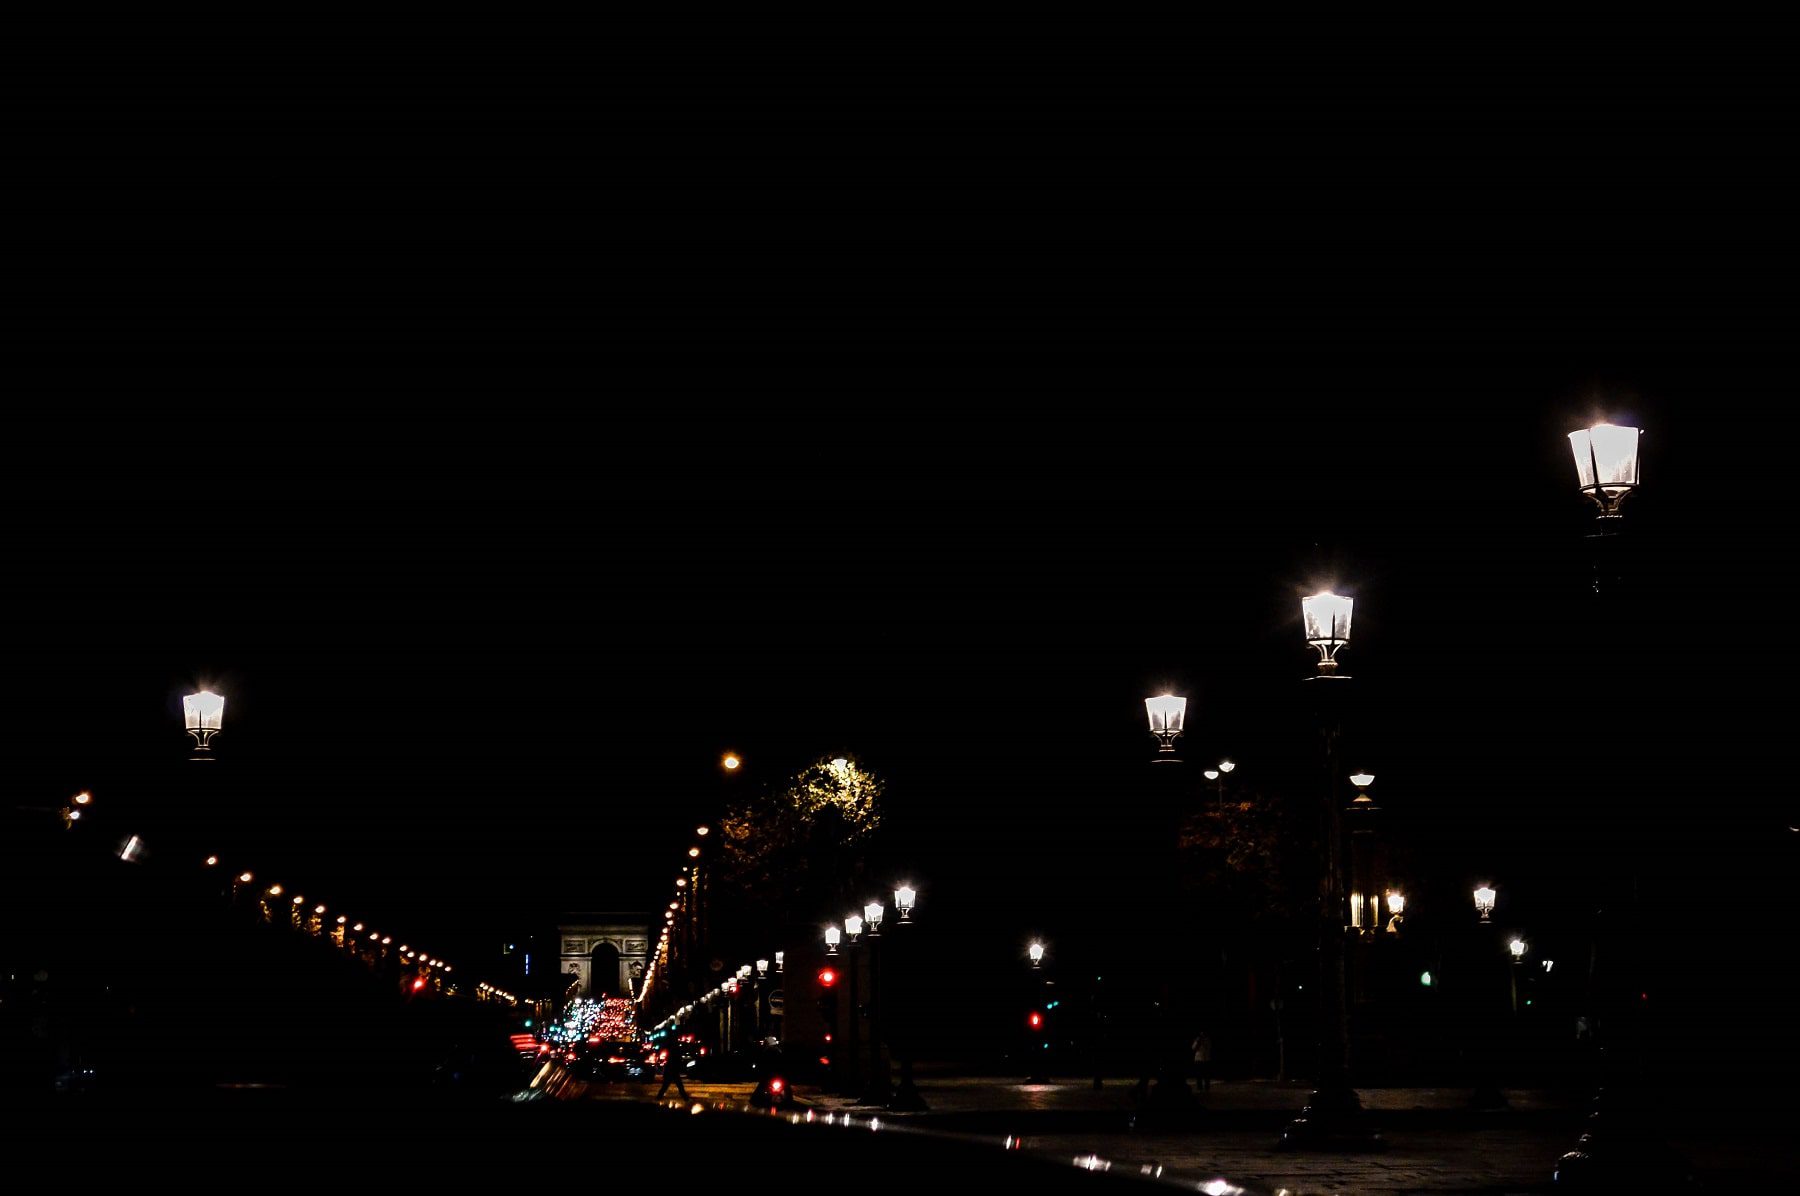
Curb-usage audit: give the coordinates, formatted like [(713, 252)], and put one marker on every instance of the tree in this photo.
[(786, 852)]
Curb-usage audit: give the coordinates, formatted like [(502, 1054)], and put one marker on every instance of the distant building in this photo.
[(608, 951)]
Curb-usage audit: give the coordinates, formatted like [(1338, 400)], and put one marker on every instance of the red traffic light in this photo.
[(1036, 1019), (776, 1085), (827, 977)]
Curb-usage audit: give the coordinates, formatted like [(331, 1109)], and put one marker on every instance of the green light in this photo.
[(1425, 979), (528, 1023)]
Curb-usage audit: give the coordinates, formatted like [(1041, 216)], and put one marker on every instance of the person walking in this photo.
[(1202, 1046), (671, 1061)]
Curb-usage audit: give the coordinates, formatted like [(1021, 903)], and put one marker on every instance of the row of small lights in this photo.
[(347, 929), (904, 898), (203, 715), (681, 883)]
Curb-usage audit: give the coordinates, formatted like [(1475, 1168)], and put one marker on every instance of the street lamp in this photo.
[(1362, 781), (780, 960), (1517, 947), (204, 715), (762, 969), (872, 913), (1396, 903), (1484, 902), (853, 927), (1606, 464), (1036, 951), (1167, 713), (833, 936), (905, 1096), (1333, 1110), (1327, 619)]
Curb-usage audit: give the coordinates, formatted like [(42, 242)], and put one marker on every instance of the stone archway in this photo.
[(604, 976)]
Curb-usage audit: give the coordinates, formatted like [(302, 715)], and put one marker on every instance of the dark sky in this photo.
[(509, 419)]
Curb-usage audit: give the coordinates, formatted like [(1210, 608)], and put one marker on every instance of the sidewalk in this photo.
[(1432, 1141)]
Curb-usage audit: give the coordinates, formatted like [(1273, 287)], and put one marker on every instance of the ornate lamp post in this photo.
[(905, 1098), (1606, 465), (204, 715), (1484, 902), (1167, 714), (1334, 1112), (1036, 951)]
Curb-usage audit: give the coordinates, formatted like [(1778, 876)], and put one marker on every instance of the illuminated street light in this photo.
[(762, 968), (1226, 766), (1484, 902), (731, 761), (82, 798), (1211, 774), (1036, 951), (1517, 947), (780, 960), (204, 715), (702, 831), (832, 937), (1167, 713), (1606, 464), (212, 860), (1396, 903), (853, 926), (245, 878), (693, 853), (1362, 781), (1327, 620), (904, 896), (872, 914)]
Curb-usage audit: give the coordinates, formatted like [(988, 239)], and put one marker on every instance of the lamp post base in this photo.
[(1333, 1119)]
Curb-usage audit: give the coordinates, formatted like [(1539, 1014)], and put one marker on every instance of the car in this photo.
[(617, 1059)]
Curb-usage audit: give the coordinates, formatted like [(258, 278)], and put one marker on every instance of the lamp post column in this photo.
[(1334, 1113)]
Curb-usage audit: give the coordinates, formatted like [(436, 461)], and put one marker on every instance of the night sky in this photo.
[(509, 421)]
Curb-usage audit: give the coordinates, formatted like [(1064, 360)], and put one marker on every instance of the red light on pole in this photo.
[(1036, 1019), (827, 977)]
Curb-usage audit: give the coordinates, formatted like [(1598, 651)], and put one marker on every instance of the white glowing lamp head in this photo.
[(1226, 766), (872, 913), (833, 936), (1168, 712), (1362, 780), (780, 959), (1517, 947), (853, 925), (1606, 463), (1211, 774), (1327, 620), (204, 711), (744, 972), (1396, 902), (1484, 901), (1036, 951), (904, 896), (762, 967)]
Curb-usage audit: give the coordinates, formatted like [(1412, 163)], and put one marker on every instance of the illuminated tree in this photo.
[(787, 851)]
